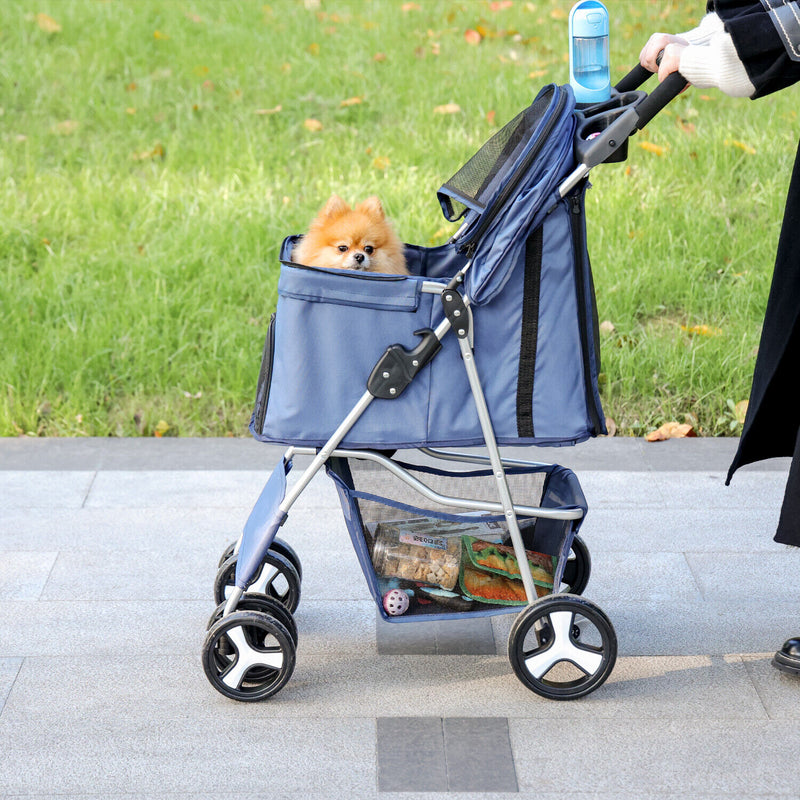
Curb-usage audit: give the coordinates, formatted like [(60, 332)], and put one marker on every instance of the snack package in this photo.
[(490, 572)]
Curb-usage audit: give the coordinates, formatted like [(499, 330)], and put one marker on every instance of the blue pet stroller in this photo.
[(491, 341)]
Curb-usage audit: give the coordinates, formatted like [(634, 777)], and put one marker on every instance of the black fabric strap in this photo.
[(529, 334)]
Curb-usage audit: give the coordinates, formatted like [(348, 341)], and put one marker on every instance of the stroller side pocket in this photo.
[(264, 378)]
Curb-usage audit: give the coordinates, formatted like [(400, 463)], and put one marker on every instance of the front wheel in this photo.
[(562, 647), (248, 656)]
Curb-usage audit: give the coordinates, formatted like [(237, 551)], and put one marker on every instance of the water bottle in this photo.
[(588, 52)]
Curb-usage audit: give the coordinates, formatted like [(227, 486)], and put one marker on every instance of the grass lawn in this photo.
[(154, 155)]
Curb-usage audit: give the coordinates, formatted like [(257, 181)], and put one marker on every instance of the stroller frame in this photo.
[(249, 651)]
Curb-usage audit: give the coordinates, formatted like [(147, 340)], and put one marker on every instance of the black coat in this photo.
[(772, 426)]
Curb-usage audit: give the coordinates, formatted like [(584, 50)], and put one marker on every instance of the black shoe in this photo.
[(787, 659)]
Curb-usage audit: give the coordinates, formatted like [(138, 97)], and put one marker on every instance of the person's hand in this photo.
[(671, 45)]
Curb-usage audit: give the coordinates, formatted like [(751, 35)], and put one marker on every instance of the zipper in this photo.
[(265, 378), (471, 245), (579, 246)]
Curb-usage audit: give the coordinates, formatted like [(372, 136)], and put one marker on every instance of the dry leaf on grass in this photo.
[(671, 430)]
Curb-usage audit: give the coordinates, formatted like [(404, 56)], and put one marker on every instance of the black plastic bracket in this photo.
[(456, 311), (398, 366)]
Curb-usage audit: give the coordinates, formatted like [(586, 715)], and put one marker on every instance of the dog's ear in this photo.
[(372, 206), (335, 207)]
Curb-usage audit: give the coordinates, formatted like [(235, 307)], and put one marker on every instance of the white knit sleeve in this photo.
[(716, 64), (709, 25)]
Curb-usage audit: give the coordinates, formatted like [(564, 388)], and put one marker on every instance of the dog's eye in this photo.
[(369, 249), (343, 248)]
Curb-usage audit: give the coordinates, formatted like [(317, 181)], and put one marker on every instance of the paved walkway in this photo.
[(108, 551)]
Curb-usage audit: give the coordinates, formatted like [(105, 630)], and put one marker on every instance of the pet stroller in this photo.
[(491, 341)]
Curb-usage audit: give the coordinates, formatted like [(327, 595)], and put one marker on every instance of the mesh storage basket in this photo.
[(422, 558)]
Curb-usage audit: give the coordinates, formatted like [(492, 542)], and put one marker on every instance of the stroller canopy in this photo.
[(509, 185)]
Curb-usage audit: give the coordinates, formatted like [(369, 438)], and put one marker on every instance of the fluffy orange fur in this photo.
[(360, 238)]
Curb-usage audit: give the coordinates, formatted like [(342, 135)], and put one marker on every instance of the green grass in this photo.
[(145, 191)]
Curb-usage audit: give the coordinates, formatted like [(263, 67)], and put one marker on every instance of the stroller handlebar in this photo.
[(604, 129)]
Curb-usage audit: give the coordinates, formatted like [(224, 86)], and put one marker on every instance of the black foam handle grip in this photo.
[(660, 97), (634, 79)]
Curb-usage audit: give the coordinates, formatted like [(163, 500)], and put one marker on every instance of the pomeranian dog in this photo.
[(359, 238)]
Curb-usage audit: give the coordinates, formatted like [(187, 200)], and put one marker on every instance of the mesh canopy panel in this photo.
[(473, 185)]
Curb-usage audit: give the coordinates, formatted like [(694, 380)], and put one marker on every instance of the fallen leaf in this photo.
[(381, 162), (265, 111), (406, 7), (701, 330), (500, 5), (447, 108), (740, 411), (157, 152), (130, 110), (312, 124), (131, 87), (471, 36), (537, 73), (611, 427), (491, 116), (47, 23), (652, 148), (671, 430), (351, 101), (313, 48), (379, 57), (607, 327), (161, 428), (558, 13), (66, 128), (751, 151), (159, 35), (686, 127)]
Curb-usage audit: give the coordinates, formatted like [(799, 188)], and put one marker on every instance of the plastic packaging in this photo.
[(414, 551)]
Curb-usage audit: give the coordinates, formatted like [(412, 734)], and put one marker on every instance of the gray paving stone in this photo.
[(411, 755), (479, 757), (739, 528), (674, 757), (232, 755), (744, 577), (9, 668), (435, 637), (45, 489), (777, 691), (23, 574)]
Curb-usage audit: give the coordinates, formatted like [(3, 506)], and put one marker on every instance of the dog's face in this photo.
[(358, 238)]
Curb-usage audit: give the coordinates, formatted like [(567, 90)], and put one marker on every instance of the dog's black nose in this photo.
[(359, 257)]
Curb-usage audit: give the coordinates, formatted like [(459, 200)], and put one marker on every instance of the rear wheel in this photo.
[(562, 647), (577, 569), (275, 577)]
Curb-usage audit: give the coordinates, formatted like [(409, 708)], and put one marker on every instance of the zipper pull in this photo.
[(575, 203)]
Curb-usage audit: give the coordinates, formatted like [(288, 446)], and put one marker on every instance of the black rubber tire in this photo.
[(283, 584), (262, 636), (264, 604), (278, 546), (534, 651), (578, 568)]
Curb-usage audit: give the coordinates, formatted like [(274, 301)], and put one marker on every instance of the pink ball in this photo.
[(395, 601)]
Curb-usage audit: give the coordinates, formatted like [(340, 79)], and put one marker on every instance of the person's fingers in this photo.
[(671, 60), (655, 44)]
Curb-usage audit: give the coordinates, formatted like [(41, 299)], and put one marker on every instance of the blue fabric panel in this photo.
[(262, 525), (535, 197), (325, 351), (559, 397)]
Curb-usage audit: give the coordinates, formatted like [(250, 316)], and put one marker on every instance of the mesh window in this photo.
[(479, 178)]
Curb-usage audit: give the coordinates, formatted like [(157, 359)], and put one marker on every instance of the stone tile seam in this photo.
[(21, 660), (748, 669), (89, 488)]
